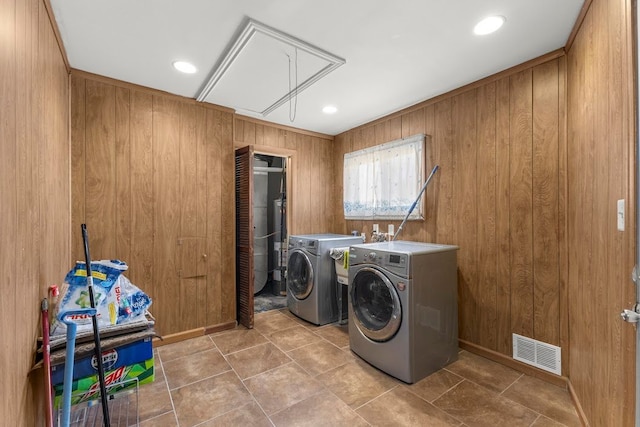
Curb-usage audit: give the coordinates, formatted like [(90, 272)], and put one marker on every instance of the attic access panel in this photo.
[(258, 72)]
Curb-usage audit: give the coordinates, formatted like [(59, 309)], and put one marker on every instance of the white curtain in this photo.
[(382, 182)]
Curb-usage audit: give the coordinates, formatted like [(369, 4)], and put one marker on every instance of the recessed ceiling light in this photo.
[(489, 25), (329, 109), (185, 67)]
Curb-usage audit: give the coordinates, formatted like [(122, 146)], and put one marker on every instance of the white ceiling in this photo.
[(397, 53)]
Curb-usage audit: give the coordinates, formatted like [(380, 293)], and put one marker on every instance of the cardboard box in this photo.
[(127, 354), (122, 378)]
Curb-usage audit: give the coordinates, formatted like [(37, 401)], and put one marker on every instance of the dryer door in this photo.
[(299, 274), (376, 305)]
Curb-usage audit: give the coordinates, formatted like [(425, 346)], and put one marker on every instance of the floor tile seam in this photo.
[(535, 420), (524, 404), (304, 345), (266, 334), (331, 342), (191, 354), (247, 348), (166, 383), (158, 416), (511, 385), (495, 396), (228, 412), (201, 379), (298, 348), (311, 396), (315, 376), (311, 343), (347, 405), (291, 361), (377, 397), (540, 414), (408, 388), (432, 402)]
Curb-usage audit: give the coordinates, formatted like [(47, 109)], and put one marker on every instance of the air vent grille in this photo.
[(537, 353)]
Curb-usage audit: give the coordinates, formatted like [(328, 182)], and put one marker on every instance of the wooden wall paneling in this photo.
[(395, 128), (190, 303), (503, 218), (326, 168), (443, 138), (53, 238), (601, 227), (563, 250), (259, 134), (238, 130), (486, 218), (290, 140), (621, 129), (227, 202), (465, 208), (521, 204), (200, 192), (339, 225), (123, 174), (78, 163), (381, 132), (141, 262), (317, 186), (25, 201), (304, 194), (579, 214), (100, 186), (249, 130), (214, 189), (546, 290), (13, 315), (166, 151), (432, 192), (282, 138), (201, 179), (189, 170), (270, 136), (413, 124), (617, 138)]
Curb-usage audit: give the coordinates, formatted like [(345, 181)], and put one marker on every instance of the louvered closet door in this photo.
[(244, 235)]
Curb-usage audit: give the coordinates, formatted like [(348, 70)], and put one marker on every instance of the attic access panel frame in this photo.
[(251, 30)]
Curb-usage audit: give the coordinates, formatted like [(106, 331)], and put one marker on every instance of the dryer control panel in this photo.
[(309, 245), (398, 263)]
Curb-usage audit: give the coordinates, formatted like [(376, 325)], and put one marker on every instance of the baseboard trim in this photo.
[(219, 327), (576, 402), (193, 333), (177, 337), (560, 381)]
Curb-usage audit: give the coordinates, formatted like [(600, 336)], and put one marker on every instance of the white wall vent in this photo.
[(537, 353)]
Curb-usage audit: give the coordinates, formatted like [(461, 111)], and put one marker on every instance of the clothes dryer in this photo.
[(311, 278), (403, 312)]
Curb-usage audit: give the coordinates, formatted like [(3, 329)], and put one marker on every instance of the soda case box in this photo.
[(123, 355), (116, 380)]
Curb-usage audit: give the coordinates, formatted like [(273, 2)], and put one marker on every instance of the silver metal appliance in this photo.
[(403, 311), (311, 278)]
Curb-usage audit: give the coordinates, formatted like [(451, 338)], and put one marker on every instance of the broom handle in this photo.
[(415, 202), (96, 332)]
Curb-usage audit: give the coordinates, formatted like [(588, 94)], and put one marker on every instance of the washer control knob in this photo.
[(372, 256)]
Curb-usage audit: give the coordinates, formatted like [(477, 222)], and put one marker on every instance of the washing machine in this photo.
[(311, 278), (403, 311)]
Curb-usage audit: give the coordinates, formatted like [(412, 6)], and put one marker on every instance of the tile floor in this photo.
[(287, 372)]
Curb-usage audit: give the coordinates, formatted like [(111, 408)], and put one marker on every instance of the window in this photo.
[(382, 182)]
